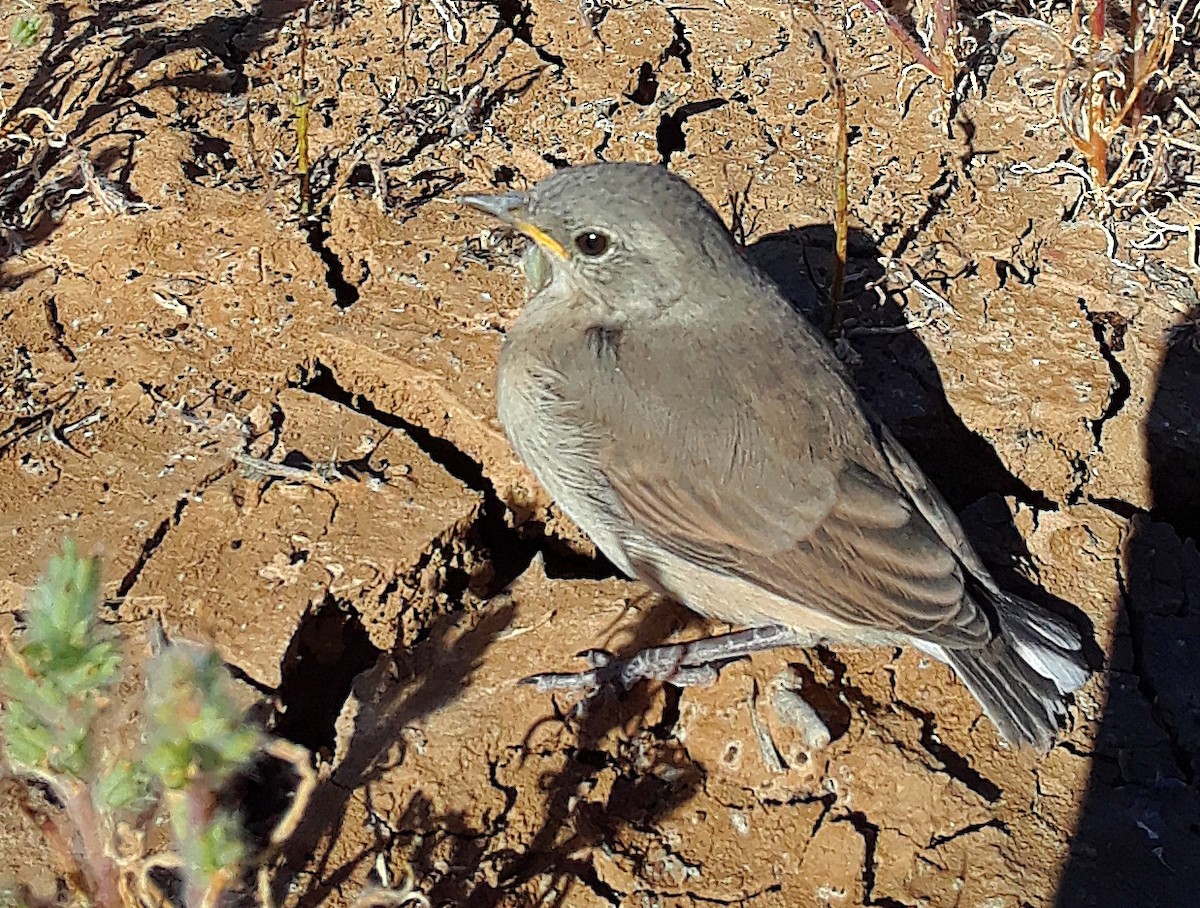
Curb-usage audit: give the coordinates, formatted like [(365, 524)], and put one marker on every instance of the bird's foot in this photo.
[(662, 663), (692, 664)]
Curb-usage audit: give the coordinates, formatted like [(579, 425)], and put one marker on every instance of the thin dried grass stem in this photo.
[(1112, 101), (301, 107), (837, 88)]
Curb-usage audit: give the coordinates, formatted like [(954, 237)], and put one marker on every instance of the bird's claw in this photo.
[(606, 671), (603, 668)]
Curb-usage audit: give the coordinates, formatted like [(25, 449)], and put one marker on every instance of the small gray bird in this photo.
[(702, 434)]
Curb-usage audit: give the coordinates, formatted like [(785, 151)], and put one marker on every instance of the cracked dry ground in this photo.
[(147, 353)]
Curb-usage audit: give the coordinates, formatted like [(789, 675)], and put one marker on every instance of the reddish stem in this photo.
[(904, 37), (1096, 23), (98, 868), (1137, 49)]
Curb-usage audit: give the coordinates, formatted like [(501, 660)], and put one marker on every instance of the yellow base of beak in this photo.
[(543, 239)]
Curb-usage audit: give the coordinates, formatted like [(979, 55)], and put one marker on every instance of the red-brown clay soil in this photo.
[(169, 316)]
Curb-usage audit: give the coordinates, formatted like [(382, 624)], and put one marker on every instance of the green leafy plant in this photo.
[(25, 31), (26, 28), (57, 684)]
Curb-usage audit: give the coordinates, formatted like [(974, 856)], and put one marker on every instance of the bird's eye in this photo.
[(592, 243)]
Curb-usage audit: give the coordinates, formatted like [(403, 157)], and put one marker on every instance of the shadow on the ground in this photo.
[(1138, 838), (897, 377), (443, 850)]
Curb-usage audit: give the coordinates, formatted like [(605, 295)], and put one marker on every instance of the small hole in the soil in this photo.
[(263, 794), (646, 89), (297, 459), (593, 758), (361, 176), (235, 544), (345, 294), (298, 557), (329, 649)]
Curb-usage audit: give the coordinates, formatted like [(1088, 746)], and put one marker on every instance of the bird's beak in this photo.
[(512, 208)]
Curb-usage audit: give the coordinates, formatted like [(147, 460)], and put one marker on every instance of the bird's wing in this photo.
[(774, 473)]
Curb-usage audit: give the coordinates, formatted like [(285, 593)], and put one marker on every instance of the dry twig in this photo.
[(837, 88)]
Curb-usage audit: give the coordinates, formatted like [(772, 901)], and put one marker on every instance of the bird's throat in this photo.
[(536, 268)]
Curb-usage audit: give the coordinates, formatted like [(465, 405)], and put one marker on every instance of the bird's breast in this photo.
[(562, 450)]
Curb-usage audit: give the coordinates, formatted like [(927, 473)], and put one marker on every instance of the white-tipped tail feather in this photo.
[(1023, 676)]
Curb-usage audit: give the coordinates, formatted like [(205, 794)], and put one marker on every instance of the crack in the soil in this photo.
[(510, 792), (328, 650), (514, 15), (449, 553), (657, 895), (680, 47), (994, 823), (154, 542), (783, 41), (345, 294), (1109, 330), (1126, 510), (940, 194), (586, 874), (870, 836), (58, 333), (664, 729), (320, 381), (953, 764), (508, 550)]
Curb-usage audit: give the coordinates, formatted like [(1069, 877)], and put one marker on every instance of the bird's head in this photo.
[(628, 234)]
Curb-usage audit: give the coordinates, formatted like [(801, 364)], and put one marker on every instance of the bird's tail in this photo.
[(1022, 678)]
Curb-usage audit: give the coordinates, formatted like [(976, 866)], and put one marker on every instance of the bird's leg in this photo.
[(694, 663)]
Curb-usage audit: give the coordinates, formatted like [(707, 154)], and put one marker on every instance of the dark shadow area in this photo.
[(1173, 429), (445, 851), (134, 33), (655, 777), (399, 689), (896, 375), (1138, 838)]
